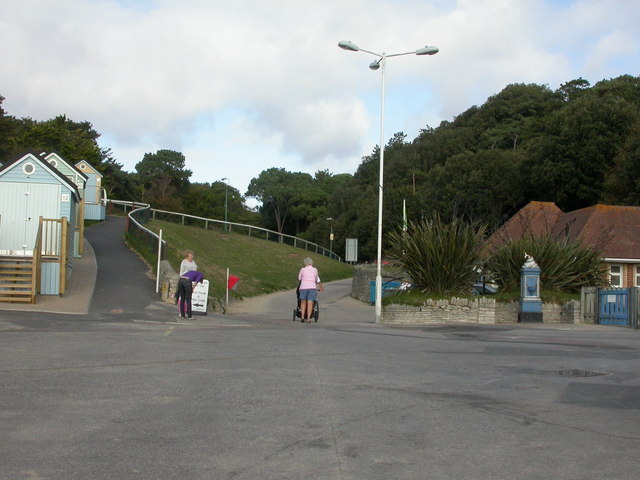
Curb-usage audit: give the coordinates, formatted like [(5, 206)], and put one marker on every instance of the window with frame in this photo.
[(615, 275), (636, 278)]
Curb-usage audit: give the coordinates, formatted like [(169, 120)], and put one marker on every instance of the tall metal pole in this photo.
[(426, 50), (159, 261), (380, 196), (226, 187), (331, 238), (225, 206)]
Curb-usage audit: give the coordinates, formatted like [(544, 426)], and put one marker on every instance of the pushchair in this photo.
[(297, 312)]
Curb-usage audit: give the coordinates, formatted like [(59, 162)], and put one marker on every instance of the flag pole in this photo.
[(404, 215), (226, 284)]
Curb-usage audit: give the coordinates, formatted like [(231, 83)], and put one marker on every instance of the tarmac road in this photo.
[(124, 391)]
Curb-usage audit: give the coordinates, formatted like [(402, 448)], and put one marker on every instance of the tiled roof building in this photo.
[(612, 229)]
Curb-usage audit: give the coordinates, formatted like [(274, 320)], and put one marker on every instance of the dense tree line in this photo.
[(575, 146), (160, 178)]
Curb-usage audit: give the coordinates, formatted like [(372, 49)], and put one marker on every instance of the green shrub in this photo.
[(566, 265), (441, 258)]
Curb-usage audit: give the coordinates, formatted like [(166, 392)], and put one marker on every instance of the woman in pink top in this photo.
[(309, 285)]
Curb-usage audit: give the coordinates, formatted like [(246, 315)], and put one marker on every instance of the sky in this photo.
[(246, 85)]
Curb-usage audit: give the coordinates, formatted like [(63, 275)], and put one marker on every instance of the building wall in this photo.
[(40, 193), (50, 278), (629, 275), (93, 211), (94, 182)]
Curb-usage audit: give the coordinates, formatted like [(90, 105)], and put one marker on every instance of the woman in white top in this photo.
[(188, 263)]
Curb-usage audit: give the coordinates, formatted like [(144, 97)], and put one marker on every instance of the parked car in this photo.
[(483, 289)]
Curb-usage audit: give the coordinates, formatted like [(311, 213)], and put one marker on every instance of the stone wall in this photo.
[(456, 310), (168, 281), (364, 274), (481, 310)]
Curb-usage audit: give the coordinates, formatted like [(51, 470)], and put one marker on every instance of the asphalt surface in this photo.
[(124, 390)]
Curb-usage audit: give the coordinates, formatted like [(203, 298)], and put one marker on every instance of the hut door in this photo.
[(21, 205)]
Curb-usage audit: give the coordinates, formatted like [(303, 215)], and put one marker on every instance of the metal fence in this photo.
[(139, 214), (240, 228)]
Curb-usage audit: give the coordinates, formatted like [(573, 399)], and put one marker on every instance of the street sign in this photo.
[(351, 254), (199, 298)]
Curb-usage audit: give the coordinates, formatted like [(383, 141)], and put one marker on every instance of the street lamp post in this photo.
[(331, 237), (226, 185), (375, 65)]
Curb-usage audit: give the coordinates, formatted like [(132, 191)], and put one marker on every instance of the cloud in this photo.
[(263, 84)]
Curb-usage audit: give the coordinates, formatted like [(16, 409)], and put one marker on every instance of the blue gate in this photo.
[(613, 307)]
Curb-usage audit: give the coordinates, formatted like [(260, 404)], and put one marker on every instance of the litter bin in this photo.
[(387, 287)]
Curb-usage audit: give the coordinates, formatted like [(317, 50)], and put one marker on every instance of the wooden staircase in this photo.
[(16, 279)]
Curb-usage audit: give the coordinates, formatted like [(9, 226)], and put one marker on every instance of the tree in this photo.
[(8, 131), (118, 183), (573, 89), (163, 178), (74, 141), (279, 192), (483, 186), (622, 184), (568, 164), (505, 118)]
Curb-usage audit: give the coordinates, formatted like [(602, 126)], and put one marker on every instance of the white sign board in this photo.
[(199, 298), (351, 254)]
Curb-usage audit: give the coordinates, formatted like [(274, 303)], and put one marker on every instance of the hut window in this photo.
[(28, 168)]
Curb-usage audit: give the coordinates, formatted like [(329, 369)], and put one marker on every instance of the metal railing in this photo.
[(250, 230), (140, 214), (144, 212)]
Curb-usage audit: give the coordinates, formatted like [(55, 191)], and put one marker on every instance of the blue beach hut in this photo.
[(38, 215)]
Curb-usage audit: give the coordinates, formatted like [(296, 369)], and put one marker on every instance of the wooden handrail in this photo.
[(80, 226), (52, 243), (36, 271), (63, 254)]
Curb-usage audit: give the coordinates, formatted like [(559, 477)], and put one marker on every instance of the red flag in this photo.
[(233, 282)]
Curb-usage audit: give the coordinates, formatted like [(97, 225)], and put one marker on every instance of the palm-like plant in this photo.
[(440, 258), (566, 265)]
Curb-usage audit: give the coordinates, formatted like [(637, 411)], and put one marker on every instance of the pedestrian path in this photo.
[(111, 282), (76, 299), (108, 278)]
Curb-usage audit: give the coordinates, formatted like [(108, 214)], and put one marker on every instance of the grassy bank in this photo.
[(263, 266)]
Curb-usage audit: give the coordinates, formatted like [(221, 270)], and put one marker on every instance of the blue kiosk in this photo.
[(530, 303)]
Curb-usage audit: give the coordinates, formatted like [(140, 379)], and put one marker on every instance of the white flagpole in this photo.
[(159, 258), (404, 215), (226, 286)]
